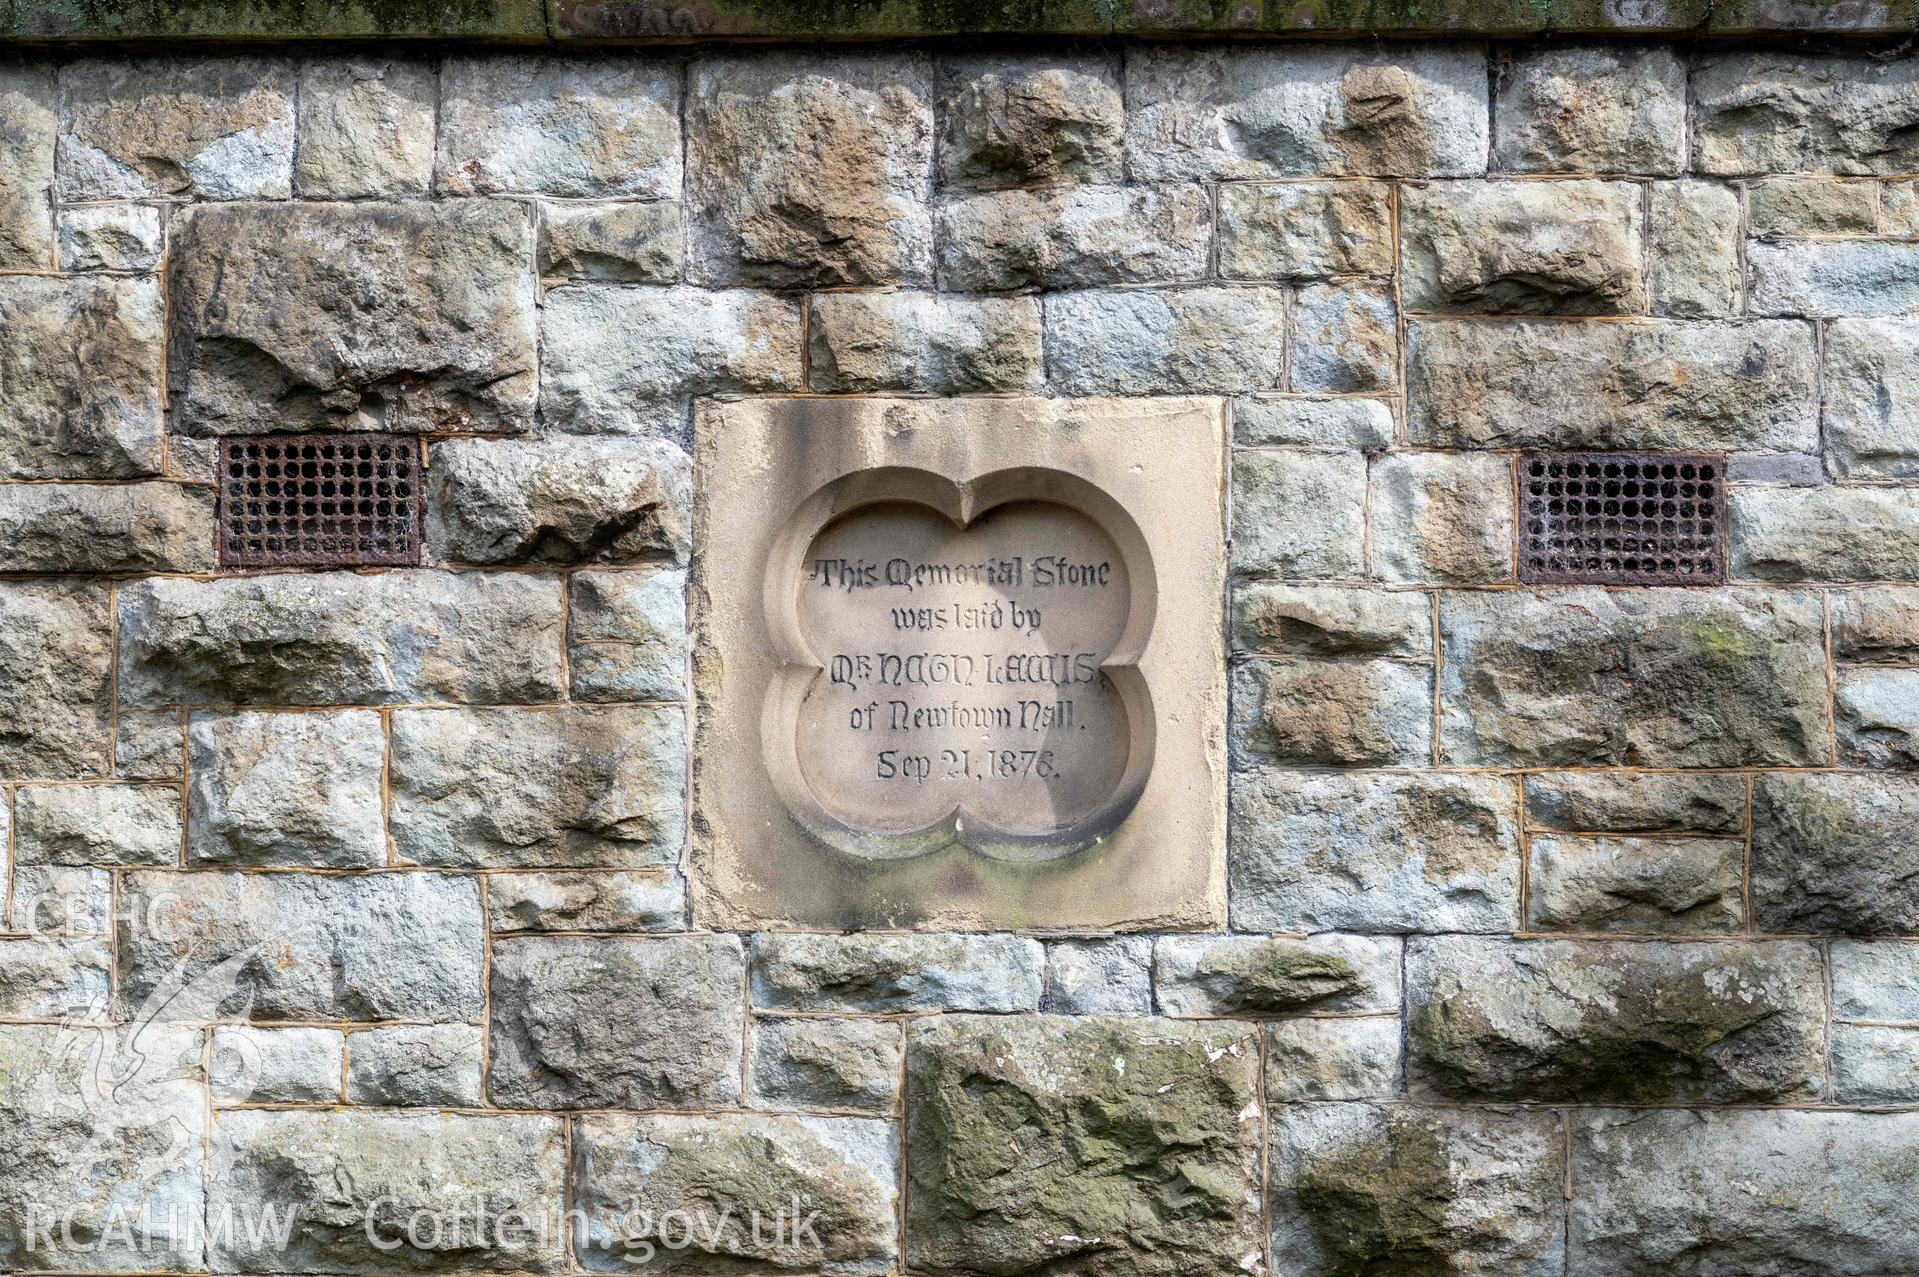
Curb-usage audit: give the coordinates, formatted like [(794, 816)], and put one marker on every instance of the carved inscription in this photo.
[(962, 668)]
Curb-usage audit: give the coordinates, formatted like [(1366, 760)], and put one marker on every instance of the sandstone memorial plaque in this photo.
[(960, 663)]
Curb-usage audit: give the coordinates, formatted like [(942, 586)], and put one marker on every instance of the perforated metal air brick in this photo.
[(333, 500), (1622, 518)]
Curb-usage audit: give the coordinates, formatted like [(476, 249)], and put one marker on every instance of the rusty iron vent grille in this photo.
[(1622, 518), (340, 500)]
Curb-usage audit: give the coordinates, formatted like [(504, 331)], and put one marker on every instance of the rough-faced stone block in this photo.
[(897, 973), (341, 640), (1074, 237), (293, 946), (1031, 118), (416, 1065), (1364, 424), (1304, 111), (1442, 517), (405, 317), (1299, 514), (1365, 1187), (1333, 1058), (90, 527), (519, 788), (560, 126), (218, 128), (103, 1128), (640, 1177), (1333, 713), (1830, 854), (28, 127), (96, 825), (124, 237), (1876, 623), (1169, 1105), (1210, 340), (1875, 1064), (809, 170), (596, 380), (1374, 852), (366, 128), (1602, 1021), (1640, 803), (628, 631), (55, 978), (287, 789), (1872, 398), (811, 1062), (275, 1066), (57, 898), (628, 900), (1099, 977), (1779, 112), (1330, 620), (1344, 340), (1818, 278), (1305, 230), (624, 243), (1825, 534), (1671, 886), (360, 1179), (1639, 384), (1687, 1194), (582, 1022), (557, 500), (1787, 207), (1219, 977), (80, 375), (934, 343), (1658, 678), (1876, 713), (1591, 109), (1693, 267), (1567, 248), (1875, 980), (56, 679)]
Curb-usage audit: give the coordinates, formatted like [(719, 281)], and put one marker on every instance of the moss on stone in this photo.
[(271, 19), (1378, 1209)]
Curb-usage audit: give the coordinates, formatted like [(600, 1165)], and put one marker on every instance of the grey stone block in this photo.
[(1299, 514), (1830, 854), (93, 527), (932, 343), (208, 127), (1875, 980), (1333, 1058), (120, 237), (1591, 109), (1099, 977), (629, 637), (1639, 803), (1825, 534), (1872, 398), (276, 1066), (1693, 267), (1332, 713), (626, 900), (884, 973), (1331, 620), (1075, 237), (1305, 230), (1209, 340), (1876, 714), (558, 500), (1362, 424), (1344, 339), (1552, 248), (56, 678), (366, 128), (1780, 112), (304, 790), (80, 376), (1215, 977), (1673, 886), (416, 1065), (625, 243), (1035, 117), (809, 1062), (1876, 623), (1442, 517), (27, 138), (98, 825)]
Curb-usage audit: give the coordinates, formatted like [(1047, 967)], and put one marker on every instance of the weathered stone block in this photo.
[(558, 500), (287, 789), (626, 243), (102, 1128), (1872, 398), (91, 527), (1825, 534), (360, 1179), (1330, 620), (934, 343), (56, 678), (560, 126), (1344, 339), (1834, 277), (80, 375), (583, 1022), (218, 128), (1075, 237), (1305, 230), (1566, 248), (1899, 208), (341, 640), (1875, 1064), (1099, 977), (1592, 109), (1210, 340), (1333, 1058), (96, 825), (416, 1065), (810, 1062), (55, 978), (1876, 623), (1693, 267), (1876, 713), (1688, 1194), (1358, 1188), (1639, 803), (1299, 514), (1333, 713), (1802, 206), (1374, 852), (629, 638), (1831, 854), (1098, 1145), (1443, 517), (1591, 1020), (880, 973), (28, 126), (1005, 121), (1779, 112), (1217, 977), (630, 900), (57, 898), (276, 1066), (1303, 111), (1641, 384), (596, 380), (406, 317), (1875, 980), (1637, 885), (293, 946), (638, 1178), (1364, 424), (1590, 677), (366, 128), (124, 237), (535, 788), (809, 170)]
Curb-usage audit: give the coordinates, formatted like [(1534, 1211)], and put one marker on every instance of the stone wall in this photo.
[(1569, 931)]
